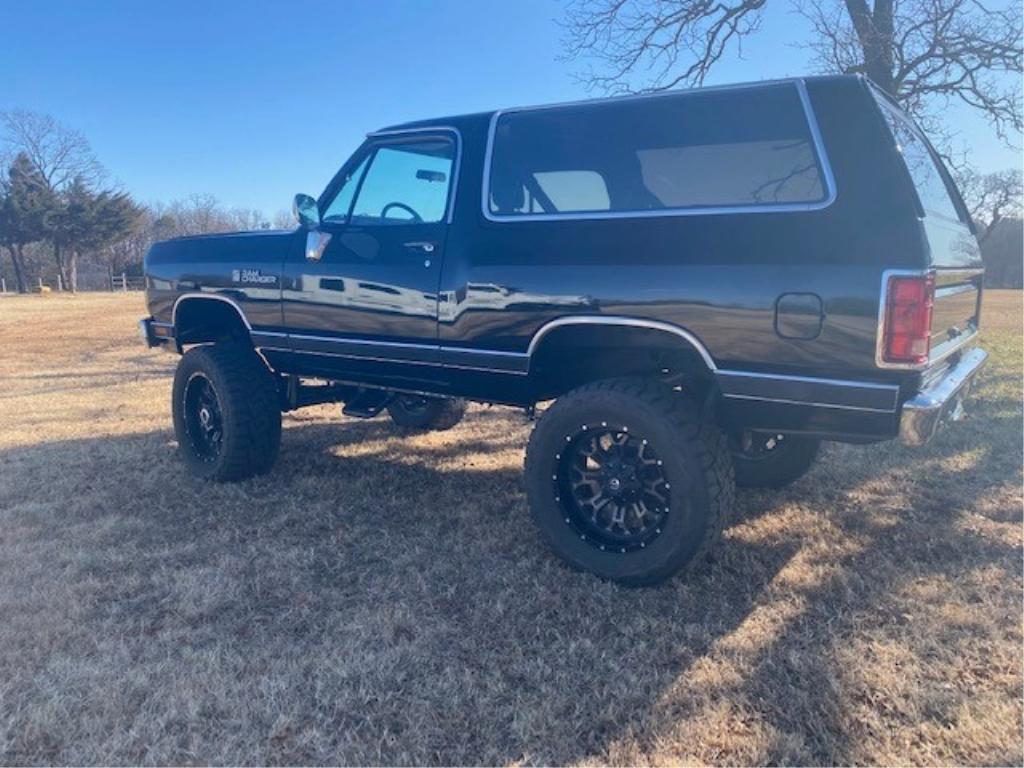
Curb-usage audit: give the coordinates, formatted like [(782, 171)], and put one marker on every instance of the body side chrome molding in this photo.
[(416, 353), (353, 340), (392, 360), (633, 322), (808, 379), (808, 404), (828, 178), (867, 396), (809, 390), (522, 357)]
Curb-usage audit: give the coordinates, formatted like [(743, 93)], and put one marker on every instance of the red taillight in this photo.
[(908, 318)]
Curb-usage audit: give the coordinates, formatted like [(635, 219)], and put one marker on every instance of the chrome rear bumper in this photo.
[(941, 401)]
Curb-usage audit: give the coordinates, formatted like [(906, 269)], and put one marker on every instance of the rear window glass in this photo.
[(921, 163), (718, 149)]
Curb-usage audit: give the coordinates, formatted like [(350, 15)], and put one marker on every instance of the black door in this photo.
[(364, 291)]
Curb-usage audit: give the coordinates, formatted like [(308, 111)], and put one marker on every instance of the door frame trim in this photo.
[(205, 295)]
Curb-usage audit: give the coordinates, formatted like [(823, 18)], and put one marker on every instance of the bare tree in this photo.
[(248, 219), (57, 153), (284, 220), (919, 51), (195, 215), (992, 198)]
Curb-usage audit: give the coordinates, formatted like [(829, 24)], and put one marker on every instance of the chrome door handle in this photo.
[(421, 245)]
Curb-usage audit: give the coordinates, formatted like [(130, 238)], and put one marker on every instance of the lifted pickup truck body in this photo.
[(791, 254)]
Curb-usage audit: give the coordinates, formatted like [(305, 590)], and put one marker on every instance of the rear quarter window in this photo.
[(728, 149), (921, 163)]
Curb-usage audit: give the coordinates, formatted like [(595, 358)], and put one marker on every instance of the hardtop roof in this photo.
[(472, 117)]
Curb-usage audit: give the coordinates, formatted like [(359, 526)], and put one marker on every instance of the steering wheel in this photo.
[(415, 216)]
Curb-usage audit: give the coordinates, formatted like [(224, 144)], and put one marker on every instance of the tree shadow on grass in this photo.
[(374, 600), (915, 521)]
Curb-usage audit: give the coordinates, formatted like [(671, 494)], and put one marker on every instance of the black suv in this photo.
[(706, 283)]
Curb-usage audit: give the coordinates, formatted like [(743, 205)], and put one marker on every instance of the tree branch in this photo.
[(668, 42)]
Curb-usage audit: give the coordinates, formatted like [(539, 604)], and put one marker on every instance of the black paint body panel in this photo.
[(463, 321)]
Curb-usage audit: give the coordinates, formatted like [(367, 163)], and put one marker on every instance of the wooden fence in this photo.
[(125, 282), (122, 282)]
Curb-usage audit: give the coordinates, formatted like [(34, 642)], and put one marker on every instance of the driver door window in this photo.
[(337, 211), (406, 183)]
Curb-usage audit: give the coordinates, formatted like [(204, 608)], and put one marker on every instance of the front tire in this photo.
[(770, 460), (626, 480), (227, 416), (418, 412)]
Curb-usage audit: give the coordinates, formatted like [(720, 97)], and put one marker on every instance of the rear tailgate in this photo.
[(956, 310), (954, 255), (956, 259)]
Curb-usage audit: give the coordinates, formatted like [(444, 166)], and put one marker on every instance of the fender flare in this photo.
[(633, 322), (214, 296)]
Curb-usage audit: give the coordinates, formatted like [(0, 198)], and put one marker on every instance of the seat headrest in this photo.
[(507, 192)]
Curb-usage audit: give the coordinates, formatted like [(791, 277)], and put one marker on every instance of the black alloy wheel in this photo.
[(613, 488), (422, 412), (204, 422), (771, 459), (756, 446), (626, 479), (414, 405)]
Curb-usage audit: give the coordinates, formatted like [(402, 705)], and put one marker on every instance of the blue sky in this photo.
[(253, 101)]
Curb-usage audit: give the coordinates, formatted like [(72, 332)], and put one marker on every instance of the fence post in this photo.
[(40, 285), (3, 285), (124, 283), (60, 283)]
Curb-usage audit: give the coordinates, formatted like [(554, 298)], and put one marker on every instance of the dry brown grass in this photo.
[(385, 599)]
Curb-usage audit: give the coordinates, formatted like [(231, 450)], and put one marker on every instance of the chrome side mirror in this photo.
[(305, 211), (316, 243)]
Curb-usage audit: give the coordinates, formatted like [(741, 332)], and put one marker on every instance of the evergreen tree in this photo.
[(26, 204), (85, 219)]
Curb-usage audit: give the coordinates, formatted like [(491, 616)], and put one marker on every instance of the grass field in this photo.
[(381, 598)]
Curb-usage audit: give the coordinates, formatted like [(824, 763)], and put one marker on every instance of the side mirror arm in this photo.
[(316, 243)]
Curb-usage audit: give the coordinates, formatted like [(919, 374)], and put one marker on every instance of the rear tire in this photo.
[(227, 415), (626, 480), (772, 460), (416, 412)]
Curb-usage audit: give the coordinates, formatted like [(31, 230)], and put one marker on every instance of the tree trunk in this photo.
[(985, 230), (875, 35), (881, 62), (74, 270), (58, 256), (17, 261)]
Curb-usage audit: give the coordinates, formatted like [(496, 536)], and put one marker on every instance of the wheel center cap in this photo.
[(615, 485), (204, 417)]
